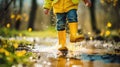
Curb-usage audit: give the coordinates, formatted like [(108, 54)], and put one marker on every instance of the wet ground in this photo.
[(46, 50)]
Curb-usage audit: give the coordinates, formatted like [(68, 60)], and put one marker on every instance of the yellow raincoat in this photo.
[(61, 6)]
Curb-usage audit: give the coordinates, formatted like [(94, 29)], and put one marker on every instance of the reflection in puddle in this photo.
[(107, 58)]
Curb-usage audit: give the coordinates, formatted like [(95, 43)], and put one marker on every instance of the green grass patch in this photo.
[(43, 34), (49, 32)]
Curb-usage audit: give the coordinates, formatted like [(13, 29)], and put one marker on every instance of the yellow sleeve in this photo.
[(47, 4)]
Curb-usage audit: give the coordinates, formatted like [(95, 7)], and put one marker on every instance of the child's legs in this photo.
[(61, 21), (73, 26), (72, 16), (72, 22)]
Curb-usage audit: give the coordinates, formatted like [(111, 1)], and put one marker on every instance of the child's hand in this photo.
[(46, 11), (88, 3)]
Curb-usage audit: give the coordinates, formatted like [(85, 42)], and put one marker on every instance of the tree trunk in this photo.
[(18, 21), (1, 13), (93, 18), (32, 14), (117, 11), (5, 12)]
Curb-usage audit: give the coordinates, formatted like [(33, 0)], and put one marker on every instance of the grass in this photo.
[(50, 32)]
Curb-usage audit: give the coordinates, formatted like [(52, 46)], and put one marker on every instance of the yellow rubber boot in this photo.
[(74, 37), (62, 40)]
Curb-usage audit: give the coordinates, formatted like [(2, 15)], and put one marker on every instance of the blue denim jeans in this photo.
[(62, 18)]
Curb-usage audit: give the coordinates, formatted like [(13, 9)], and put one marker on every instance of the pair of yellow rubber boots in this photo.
[(74, 37)]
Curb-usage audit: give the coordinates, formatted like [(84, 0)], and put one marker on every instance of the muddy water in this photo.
[(63, 62), (67, 62), (48, 57)]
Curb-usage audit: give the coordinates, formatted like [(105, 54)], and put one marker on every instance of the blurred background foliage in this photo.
[(28, 15)]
